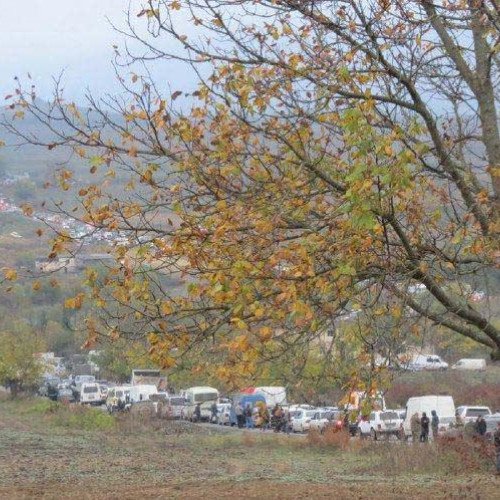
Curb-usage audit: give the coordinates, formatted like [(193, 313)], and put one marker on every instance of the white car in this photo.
[(470, 413), (321, 420), (381, 423), (301, 420), (176, 406)]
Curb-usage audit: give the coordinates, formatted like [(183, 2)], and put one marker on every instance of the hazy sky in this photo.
[(44, 37)]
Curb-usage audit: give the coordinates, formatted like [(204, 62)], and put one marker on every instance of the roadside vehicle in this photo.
[(491, 424), (224, 413), (204, 396), (426, 362), (49, 387), (159, 400), (470, 413), (300, 407), (103, 391), (176, 406), (245, 399), (444, 406), (273, 395), (118, 398), (149, 377), (142, 392), (65, 394), (82, 379), (301, 420), (381, 423), (470, 364), (321, 420), (90, 393)]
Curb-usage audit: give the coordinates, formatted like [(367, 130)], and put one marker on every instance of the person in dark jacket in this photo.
[(214, 413), (197, 413), (424, 428), (434, 424), (480, 426)]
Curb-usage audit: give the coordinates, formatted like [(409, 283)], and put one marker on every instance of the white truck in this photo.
[(444, 406), (142, 392), (146, 376)]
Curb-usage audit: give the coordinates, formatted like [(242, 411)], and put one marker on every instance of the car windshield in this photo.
[(296, 414), (91, 389), (389, 415), (176, 401), (309, 414), (205, 396), (475, 412)]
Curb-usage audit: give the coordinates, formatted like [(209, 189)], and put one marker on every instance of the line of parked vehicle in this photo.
[(147, 390)]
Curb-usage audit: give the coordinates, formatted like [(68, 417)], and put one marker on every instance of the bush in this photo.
[(444, 456), (331, 438), (43, 407), (81, 417), (73, 415)]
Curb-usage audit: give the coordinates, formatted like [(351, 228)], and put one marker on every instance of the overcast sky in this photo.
[(44, 37)]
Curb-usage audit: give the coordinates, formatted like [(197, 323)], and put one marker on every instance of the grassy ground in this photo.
[(50, 452)]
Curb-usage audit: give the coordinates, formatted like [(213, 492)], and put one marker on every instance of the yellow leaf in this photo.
[(36, 286), (166, 308), (10, 274)]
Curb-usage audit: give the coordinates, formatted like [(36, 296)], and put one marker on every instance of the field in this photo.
[(47, 451)]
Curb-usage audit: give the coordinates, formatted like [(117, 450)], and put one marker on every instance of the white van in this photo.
[(90, 393), (470, 413), (204, 396), (82, 379), (142, 392), (444, 406), (427, 362), (470, 364)]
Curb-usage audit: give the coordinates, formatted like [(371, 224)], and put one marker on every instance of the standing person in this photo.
[(197, 413), (424, 428), (288, 422), (239, 415), (434, 424), (415, 427), (248, 417), (214, 412), (481, 426), (496, 442)]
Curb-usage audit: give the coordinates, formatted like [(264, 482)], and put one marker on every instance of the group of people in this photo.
[(248, 417), (422, 425)]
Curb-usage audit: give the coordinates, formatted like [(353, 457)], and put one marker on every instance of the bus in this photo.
[(204, 396)]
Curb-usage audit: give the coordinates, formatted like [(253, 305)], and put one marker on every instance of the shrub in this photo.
[(331, 438), (81, 417), (43, 407)]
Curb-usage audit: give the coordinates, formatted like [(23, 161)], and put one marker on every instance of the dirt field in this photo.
[(44, 453)]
